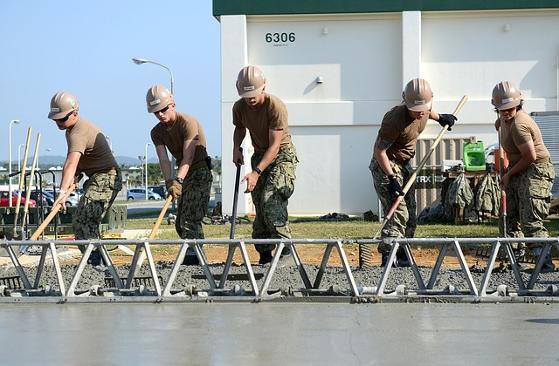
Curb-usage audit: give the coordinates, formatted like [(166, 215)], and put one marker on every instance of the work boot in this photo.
[(401, 258), (190, 260), (265, 257), (95, 258), (285, 251), (385, 257), (548, 265)]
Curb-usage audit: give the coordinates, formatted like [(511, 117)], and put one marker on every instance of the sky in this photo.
[(86, 48)]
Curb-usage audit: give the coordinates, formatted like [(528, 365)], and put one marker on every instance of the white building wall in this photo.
[(362, 62)]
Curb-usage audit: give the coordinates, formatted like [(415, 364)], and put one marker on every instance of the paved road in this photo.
[(279, 334), (138, 207)]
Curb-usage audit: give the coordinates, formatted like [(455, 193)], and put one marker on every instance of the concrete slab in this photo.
[(280, 334)]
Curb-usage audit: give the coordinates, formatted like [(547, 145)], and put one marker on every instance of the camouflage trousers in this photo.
[(193, 204), (101, 190), (404, 221), (528, 200), (270, 195)]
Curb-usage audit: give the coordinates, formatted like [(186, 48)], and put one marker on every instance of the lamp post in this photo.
[(19, 156), (146, 169), (16, 121), (139, 61)]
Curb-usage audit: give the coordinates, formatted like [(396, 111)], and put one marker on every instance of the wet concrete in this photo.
[(279, 334)]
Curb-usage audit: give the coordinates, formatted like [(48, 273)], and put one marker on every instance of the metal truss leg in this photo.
[(79, 271), (413, 266), (133, 265), (514, 266), (437, 267), (300, 267), (323, 264), (465, 269), (152, 269), (387, 268), (271, 270), (248, 266), (228, 263), (347, 268), (57, 269), (539, 264), (204, 263), (40, 267), (112, 270), (489, 268), (19, 268), (173, 275)]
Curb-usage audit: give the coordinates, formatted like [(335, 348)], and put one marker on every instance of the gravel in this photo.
[(288, 277)]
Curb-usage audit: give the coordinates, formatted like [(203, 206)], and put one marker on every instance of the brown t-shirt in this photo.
[(518, 131), (399, 132), (271, 115), (173, 136), (84, 137)]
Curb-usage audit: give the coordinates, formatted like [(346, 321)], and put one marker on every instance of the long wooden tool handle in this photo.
[(22, 174), (51, 215), (153, 233), (32, 175), (412, 178)]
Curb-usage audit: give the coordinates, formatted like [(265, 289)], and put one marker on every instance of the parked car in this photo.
[(39, 196), (160, 190), (140, 194), (71, 200), (4, 199)]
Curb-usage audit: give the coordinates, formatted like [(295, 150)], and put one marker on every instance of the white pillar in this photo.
[(411, 46), (234, 56)]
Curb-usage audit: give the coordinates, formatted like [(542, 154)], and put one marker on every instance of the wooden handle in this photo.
[(22, 174), (32, 175), (153, 233), (412, 178), (51, 215)]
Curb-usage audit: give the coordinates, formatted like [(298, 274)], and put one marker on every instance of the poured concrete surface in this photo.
[(279, 334)]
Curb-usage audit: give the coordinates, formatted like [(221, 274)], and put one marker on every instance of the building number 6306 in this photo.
[(280, 37)]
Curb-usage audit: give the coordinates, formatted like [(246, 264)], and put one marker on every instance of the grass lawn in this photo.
[(307, 228)]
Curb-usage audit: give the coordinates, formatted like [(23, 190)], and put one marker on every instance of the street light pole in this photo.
[(16, 121), (146, 169), (139, 61), (19, 156)]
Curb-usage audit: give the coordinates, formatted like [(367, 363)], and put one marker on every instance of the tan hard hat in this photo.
[(250, 82), (418, 95), (61, 104), (506, 95), (157, 98)]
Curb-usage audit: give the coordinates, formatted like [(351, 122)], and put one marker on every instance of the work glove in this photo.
[(394, 187), (174, 188), (447, 120)]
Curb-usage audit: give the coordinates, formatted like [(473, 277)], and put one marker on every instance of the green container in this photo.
[(474, 156)]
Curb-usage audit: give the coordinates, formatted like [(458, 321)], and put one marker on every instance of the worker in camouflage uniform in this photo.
[(272, 179), (530, 173), (184, 136), (390, 164), (88, 153)]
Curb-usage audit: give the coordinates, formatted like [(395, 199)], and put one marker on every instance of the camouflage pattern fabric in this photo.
[(101, 190), (528, 199), (404, 221), (193, 204), (270, 195)]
